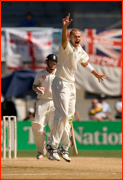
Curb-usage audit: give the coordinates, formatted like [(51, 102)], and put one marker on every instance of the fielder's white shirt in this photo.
[(68, 59), (44, 79), (118, 105)]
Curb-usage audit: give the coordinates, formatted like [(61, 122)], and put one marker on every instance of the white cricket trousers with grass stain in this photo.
[(64, 97)]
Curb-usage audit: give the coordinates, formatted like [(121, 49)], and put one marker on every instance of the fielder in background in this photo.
[(44, 106), (63, 88)]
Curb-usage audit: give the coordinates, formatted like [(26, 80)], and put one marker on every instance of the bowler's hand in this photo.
[(99, 76), (66, 20)]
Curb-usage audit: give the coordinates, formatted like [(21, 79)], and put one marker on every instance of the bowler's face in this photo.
[(75, 38)]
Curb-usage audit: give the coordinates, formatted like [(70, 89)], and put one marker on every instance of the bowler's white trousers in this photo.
[(64, 97)]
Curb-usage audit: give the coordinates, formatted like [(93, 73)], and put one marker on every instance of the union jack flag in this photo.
[(103, 47)]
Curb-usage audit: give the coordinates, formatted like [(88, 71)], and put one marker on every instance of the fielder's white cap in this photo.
[(102, 96), (31, 110)]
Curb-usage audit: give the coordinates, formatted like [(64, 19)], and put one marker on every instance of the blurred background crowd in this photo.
[(39, 16), (94, 14)]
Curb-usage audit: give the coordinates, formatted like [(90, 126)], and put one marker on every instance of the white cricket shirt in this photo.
[(68, 59), (44, 79)]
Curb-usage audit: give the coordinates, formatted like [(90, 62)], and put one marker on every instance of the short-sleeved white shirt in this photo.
[(106, 108), (68, 59), (44, 79), (118, 105)]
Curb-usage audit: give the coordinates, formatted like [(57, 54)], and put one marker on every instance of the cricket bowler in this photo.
[(63, 88)]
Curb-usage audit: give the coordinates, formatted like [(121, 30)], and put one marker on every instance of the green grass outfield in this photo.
[(81, 153)]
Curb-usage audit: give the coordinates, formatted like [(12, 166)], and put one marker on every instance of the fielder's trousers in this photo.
[(44, 112)]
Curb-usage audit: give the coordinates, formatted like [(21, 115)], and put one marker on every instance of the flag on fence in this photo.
[(105, 54), (103, 47), (28, 47)]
